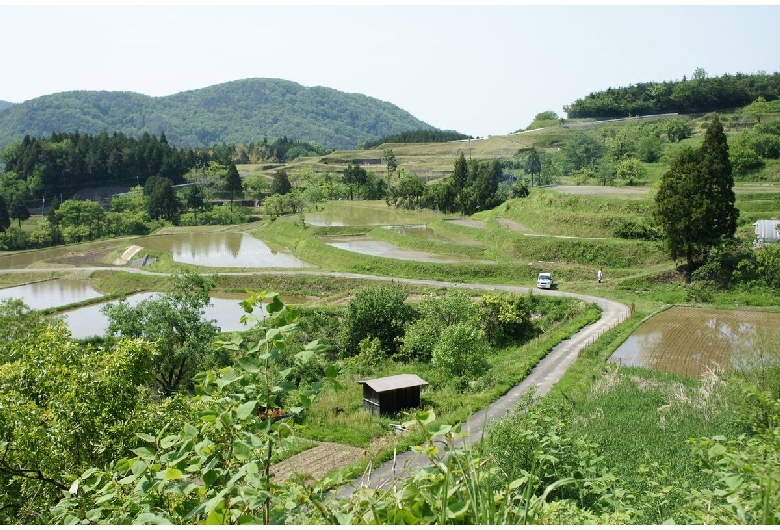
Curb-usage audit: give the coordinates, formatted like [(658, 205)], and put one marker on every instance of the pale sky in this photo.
[(478, 70)]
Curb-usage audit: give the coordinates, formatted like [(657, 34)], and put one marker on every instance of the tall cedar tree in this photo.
[(720, 184), (695, 199), (5, 218), (233, 184), (281, 183), (161, 200), (460, 179)]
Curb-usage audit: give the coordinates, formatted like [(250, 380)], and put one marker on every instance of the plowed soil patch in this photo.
[(317, 461)]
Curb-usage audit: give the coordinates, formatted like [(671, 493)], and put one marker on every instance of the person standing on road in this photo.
[(600, 275)]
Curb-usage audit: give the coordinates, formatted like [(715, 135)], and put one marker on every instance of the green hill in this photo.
[(235, 112), (697, 95)]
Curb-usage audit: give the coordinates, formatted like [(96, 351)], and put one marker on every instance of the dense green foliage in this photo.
[(434, 315), (376, 312), (700, 94), (473, 186), (174, 323), (63, 163), (695, 200), (65, 407), (418, 136), (238, 112)]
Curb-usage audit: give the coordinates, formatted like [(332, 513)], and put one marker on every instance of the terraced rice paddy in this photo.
[(690, 341)]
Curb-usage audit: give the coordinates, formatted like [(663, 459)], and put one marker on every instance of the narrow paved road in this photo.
[(542, 377)]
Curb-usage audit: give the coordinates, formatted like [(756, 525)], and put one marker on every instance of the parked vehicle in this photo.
[(544, 281)]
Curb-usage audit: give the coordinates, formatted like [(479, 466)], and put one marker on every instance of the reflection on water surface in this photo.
[(374, 247), (89, 321), (689, 340), (51, 293), (220, 249)]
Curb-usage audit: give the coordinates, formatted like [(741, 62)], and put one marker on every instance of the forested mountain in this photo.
[(5, 104), (700, 94), (237, 112)]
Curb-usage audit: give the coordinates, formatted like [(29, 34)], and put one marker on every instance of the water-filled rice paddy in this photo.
[(690, 340)]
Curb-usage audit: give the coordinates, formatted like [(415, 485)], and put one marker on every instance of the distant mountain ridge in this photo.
[(235, 112)]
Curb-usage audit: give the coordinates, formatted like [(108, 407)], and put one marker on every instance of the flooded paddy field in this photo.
[(374, 247), (51, 293), (224, 309), (220, 249), (66, 255), (690, 340), (429, 233)]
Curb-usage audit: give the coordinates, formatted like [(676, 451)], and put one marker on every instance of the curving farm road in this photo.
[(546, 373)]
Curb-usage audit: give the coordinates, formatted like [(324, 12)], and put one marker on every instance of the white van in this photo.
[(544, 281)]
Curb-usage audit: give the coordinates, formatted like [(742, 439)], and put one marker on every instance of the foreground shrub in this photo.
[(435, 315), (380, 312), (461, 351), (506, 317)]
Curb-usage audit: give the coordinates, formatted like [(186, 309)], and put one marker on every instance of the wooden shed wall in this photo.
[(391, 401)]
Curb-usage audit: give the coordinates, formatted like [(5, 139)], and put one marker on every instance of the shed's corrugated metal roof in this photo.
[(394, 382), (767, 230)]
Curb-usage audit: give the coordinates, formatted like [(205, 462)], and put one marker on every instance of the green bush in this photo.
[(537, 444), (435, 315), (371, 355), (744, 158), (506, 317), (461, 352), (380, 312), (768, 127), (630, 229), (766, 145), (768, 261)]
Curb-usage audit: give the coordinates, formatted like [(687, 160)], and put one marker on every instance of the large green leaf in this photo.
[(242, 451), (173, 474), (245, 409)]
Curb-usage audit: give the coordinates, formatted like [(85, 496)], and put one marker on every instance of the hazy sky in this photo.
[(478, 70)]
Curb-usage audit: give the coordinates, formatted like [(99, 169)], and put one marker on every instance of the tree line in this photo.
[(280, 150), (140, 211), (418, 136), (63, 163), (472, 186), (696, 95)]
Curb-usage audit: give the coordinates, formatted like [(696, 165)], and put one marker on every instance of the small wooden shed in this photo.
[(389, 395)]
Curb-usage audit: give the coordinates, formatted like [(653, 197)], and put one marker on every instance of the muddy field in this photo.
[(690, 341)]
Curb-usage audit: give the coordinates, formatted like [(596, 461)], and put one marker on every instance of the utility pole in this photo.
[(43, 206)]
